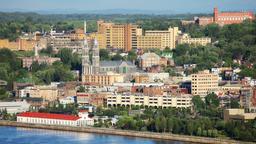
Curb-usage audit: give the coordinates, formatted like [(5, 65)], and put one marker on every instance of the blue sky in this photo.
[(176, 6)]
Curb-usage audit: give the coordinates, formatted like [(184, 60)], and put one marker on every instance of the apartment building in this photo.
[(158, 39), (204, 83), (177, 101), (121, 36)]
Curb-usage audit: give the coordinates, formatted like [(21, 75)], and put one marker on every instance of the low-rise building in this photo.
[(238, 114), (177, 101), (47, 92), (81, 120), (15, 107), (186, 39)]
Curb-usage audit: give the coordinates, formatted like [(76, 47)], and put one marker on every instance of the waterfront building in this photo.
[(204, 83), (186, 39), (121, 67), (81, 120), (15, 106), (238, 114), (224, 18), (158, 39)]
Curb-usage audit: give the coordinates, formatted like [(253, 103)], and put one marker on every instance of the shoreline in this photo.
[(129, 133)]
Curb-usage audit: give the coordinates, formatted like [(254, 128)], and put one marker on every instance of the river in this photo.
[(16, 135)]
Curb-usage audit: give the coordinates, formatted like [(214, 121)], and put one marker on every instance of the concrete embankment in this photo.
[(152, 135)]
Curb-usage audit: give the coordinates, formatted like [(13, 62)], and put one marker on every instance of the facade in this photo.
[(148, 60), (65, 41), (150, 77), (15, 107), (55, 119), (103, 79), (121, 67), (186, 39), (224, 18), (158, 39), (121, 36), (92, 66), (238, 114), (18, 45), (248, 99), (178, 101), (204, 83), (48, 93)]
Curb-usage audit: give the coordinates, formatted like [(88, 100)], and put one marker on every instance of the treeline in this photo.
[(13, 24)]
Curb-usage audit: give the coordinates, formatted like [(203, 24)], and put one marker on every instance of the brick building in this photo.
[(224, 18)]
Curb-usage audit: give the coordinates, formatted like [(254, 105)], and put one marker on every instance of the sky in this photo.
[(175, 6)]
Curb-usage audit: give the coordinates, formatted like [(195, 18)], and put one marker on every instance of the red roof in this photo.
[(48, 116)]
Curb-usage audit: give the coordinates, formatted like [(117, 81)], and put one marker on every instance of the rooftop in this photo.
[(49, 116)]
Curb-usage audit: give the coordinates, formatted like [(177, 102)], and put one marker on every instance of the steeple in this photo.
[(86, 66), (36, 50), (85, 27), (95, 57), (93, 66)]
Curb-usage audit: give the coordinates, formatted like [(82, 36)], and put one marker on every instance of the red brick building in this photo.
[(224, 18)]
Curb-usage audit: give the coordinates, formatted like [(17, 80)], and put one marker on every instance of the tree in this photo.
[(104, 54), (212, 100), (117, 57), (198, 102), (3, 94), (65, 55), (132, 56), (81, 89)]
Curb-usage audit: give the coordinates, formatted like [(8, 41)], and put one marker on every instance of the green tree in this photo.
[(198, 102), (104, 54), (212, 100)]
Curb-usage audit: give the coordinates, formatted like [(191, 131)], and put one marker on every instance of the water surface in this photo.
[(15, 135)]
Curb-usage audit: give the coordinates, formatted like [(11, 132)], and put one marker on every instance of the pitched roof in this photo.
[(49, 116)]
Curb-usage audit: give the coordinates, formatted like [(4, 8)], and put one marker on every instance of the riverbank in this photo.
[(151, 135)]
